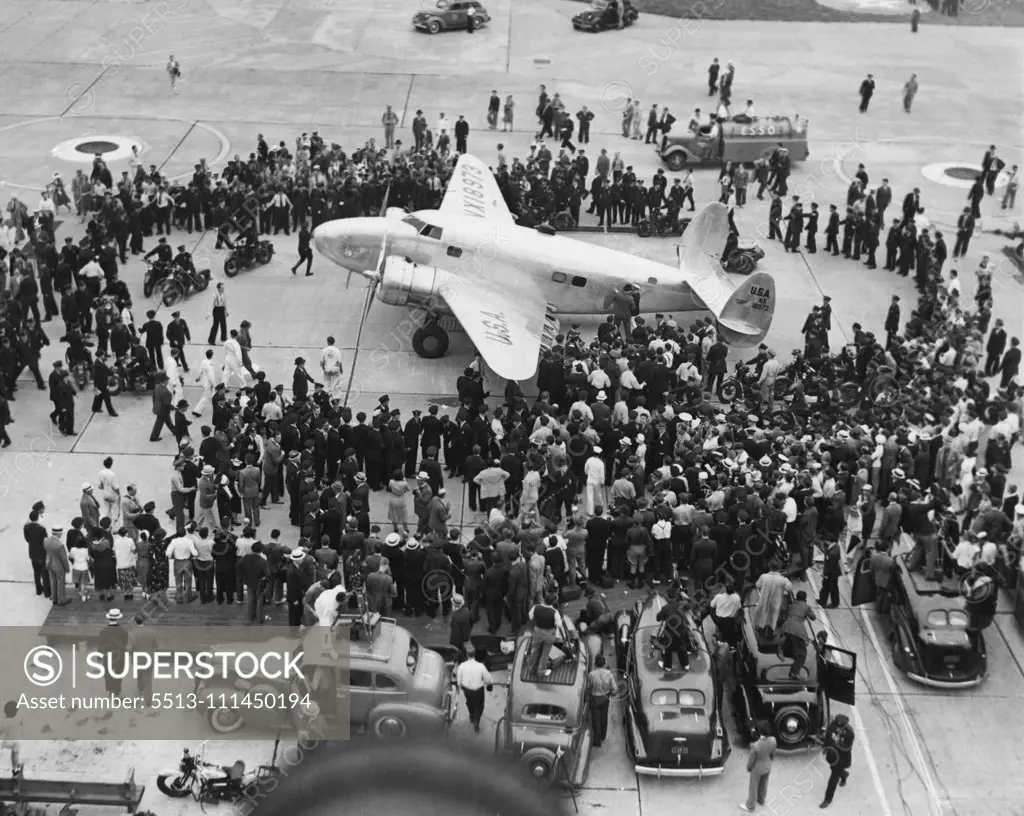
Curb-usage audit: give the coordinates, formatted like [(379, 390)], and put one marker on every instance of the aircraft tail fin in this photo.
[(744, 312)]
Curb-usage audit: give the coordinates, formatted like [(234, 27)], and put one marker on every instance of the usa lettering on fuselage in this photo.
[(472, 193)]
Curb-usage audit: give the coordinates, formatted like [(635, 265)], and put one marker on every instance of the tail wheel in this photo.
[(231, 267), (729, 391), (264, 252), (792, 726), (171, 293), (643, 229), (202, 280)]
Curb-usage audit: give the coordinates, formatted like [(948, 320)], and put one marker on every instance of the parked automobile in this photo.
[(673, 719), (604, 14), (932, 641), (395, 687), (450, 15), (546, 723), (798, 710)]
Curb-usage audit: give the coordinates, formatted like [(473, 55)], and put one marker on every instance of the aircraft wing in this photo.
[(473, 193), (505, 320)]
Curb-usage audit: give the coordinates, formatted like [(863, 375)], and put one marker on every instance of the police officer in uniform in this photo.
[(101, 380), (177, 335), (183, 260), (305, 252), (162, 251)]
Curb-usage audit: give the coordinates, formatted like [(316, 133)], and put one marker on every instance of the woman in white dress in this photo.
[(398, 488)]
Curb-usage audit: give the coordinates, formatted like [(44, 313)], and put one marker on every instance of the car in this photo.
[(547, 723), (740, 139), (604, 14), (673, 720), (932, 642), (395, 686), (798, 710), (448, 15)]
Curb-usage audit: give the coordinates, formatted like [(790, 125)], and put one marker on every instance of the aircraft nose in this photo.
[(352, 243)]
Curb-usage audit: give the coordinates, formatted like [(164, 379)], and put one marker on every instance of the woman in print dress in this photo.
[(159, 570)]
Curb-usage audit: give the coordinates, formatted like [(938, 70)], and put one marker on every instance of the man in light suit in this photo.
[(57, 567), (759, 766)]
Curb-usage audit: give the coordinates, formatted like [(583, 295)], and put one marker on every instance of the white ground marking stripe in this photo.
[(858, 723), (937, 803)]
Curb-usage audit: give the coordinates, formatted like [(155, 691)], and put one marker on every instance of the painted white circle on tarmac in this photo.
[(110, 147), (937, 173)]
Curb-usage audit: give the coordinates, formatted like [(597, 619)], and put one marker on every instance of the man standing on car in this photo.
[(838, 754), (759, 766), (795, 631), (473, 679), (601, 685)]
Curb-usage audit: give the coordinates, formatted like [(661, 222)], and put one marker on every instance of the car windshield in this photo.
[(413, 659), (687, 698)]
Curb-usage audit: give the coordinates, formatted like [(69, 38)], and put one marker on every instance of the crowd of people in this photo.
[(624, 468)]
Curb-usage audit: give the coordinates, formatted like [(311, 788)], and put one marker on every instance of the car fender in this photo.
[(419, 720), (671, 149)]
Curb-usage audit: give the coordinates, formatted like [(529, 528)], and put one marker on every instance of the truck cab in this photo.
[(739, 139)]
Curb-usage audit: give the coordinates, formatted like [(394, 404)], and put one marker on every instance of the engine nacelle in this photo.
[(407, 284)]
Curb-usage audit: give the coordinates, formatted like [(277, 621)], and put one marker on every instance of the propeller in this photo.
[(378, 275)]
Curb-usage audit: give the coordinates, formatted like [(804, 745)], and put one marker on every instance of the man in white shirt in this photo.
[(207, 379), (725, 610), (330, 364), (474, 679), (581, 406), (595, 495), (629, 381), (233, 360), (443, 125), (180, 553), (92, 269), (769, 374)]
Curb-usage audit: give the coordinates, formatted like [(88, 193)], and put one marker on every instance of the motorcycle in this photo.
[(156, 271), (209, 782), (128, 375), (247, 257), (182, 282), (662, 224), (742, 260), (80, 367)]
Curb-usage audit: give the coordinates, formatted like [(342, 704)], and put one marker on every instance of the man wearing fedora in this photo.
[(114, 642), (57, 567)]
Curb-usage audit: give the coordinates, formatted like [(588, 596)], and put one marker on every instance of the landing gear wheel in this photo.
[(430, 341)]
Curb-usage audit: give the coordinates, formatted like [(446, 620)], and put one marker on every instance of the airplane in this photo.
[(508, 285)]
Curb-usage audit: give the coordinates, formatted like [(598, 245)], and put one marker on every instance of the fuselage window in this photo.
[(652, 281), (578, 281), (559, 277), (454, 252), (431, 232)]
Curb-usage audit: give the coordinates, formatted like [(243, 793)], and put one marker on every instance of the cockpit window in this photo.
[(413, 222), (429, 231)]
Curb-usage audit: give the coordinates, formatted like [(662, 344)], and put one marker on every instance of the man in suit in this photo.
[(812, 230), (911, 204), (161, 408), (153, 330), (101, 380), (57, 567), (713, 70), (652, 125), (461, 134), (832, 230), (65, 405), (838, 748), (994, 348), (1010, 365), (892, 319), (759, 766), (665, 124), (867, 90), (892, 245), (301, 379), (964, 231)]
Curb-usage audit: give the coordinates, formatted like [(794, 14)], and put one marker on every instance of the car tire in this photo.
[(433, 27), (479, 22), (388, 726), (676, 161), (225, 720), (792, 726), (540, 763)]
